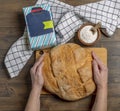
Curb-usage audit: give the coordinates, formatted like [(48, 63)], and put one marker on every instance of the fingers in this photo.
[(37, 63), (95, 67), (39, 60), (39, 69), (98, 61)]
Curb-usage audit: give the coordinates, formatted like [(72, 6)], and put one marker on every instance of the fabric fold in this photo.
[(68, 25), (17, 56)]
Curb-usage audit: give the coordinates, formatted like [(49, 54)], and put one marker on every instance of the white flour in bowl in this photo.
[(87, 35)]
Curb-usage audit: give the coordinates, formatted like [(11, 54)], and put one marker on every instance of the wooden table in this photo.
[(14, 92)]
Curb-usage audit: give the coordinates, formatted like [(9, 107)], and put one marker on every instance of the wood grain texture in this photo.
[(14, 92)]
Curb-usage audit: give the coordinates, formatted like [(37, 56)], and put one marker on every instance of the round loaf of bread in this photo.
[(67, 72)]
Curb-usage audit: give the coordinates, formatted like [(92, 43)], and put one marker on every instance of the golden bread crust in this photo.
[(67, 72)]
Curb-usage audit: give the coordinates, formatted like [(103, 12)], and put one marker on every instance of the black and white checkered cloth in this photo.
[(18, 55), (67, 26), (106, 11), (118, 21)]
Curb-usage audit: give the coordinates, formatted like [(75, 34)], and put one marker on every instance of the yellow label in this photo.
[(48, 24)]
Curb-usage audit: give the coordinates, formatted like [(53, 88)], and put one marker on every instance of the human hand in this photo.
[(36, 74), (100, 72)]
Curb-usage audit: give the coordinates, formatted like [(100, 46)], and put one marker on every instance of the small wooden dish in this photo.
[(83, 42)]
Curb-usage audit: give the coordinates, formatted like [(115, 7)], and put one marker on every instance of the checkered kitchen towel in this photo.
[(67, 26), (106, 11), (18, 55)]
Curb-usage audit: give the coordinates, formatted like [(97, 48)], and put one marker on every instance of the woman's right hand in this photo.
[(100, 72)]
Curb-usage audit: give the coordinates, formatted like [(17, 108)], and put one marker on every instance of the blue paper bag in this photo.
[(40, 26)]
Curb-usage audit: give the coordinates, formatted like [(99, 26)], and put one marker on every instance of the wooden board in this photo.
[(100, 52)]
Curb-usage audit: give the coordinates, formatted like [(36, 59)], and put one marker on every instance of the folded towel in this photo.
[(106, 11), (18, 55), (118, 21), (67, 26)]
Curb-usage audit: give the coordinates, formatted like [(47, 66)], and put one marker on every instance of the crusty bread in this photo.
[(67, 72)]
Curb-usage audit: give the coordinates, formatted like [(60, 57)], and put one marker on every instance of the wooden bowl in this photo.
[(85, 43)]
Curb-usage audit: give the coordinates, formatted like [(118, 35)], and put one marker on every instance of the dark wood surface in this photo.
[(14, 92)]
